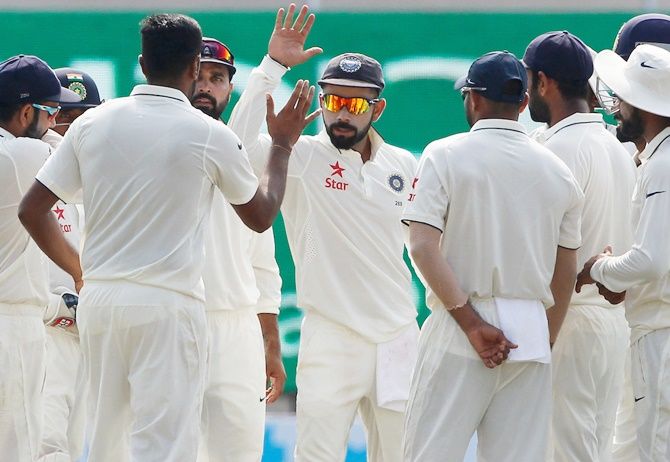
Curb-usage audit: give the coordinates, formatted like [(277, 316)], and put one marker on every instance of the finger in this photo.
[(289, 16), (279, 21), (269, 108), (308, 25), (297, 25), (510, 345), (313, 52), (306, 102), (579, 284), (310, 118), (608, 250), (293, 99)]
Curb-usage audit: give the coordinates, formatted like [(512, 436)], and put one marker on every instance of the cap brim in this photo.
[(349, 83), (460, 83), (610, 68), (65, 96)]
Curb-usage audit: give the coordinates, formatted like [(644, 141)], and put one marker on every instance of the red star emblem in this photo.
[(414, 182), (337, 170), (59, 213)]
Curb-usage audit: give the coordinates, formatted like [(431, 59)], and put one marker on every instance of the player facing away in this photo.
[(242, 298), (29, 101), (493, 228), (588, 357), (641, 101), (64, 393), (147, 166), (346, 189)]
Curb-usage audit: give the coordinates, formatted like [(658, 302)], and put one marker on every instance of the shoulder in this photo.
[(400, 156), (446, 147)]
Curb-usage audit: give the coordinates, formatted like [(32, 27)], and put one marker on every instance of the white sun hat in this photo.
[(643, 81)]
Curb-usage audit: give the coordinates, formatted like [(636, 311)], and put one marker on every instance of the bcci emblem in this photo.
[(79, 89), (350, 64), (206, 52), (396, 182)]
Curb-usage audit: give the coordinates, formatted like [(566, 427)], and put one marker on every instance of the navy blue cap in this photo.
[(560, 55), (82, 84), (490, 74), (28, 79), (353, 70), (651, 28)]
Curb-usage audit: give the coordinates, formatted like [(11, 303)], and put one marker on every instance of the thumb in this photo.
[(313, 52), (270, 105), (608, 250)]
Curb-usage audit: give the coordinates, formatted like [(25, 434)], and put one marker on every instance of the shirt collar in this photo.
[(654, 144), (577, 118), (376, 142), (5, 134), (498, 124), (157, 90)]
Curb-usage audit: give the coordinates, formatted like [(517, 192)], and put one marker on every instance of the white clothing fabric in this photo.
[(453, 395), (342, 220), (326, 407), (23, 267), (587, 367), (624, 446), (485, 191), (233, 414), (395, 364), (650, 364), (22, 362), (644, 270), (144, 358), (158, 154), (64, 399)]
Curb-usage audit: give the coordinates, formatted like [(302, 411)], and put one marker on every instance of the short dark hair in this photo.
[(170, 42), (570, 89), (7, 111)]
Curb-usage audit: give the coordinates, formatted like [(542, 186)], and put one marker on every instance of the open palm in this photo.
[(287, 43)]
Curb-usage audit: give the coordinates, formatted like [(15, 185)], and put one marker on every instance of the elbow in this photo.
[(260, 225), (657, 268), (24, 214)]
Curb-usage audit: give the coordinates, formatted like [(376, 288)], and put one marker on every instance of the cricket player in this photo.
[(345, 193), (242, 298), (148, 166), (29, 97), (64, 394), (494, 215), (642, 109), (588, 357)]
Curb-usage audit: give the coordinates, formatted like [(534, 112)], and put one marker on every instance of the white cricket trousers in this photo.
[(64, 398), (588, 361), (22, 363), (233, 412), (624, 445), (144, 355), (336, 376), (454, 395), (650, 364)]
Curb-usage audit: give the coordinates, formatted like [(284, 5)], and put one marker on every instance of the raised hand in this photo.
[(584, 276), (490, 344), (287, 43), (286, 126)]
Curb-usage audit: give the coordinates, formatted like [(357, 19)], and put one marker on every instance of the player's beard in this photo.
[(631, 129), (215, 110), (346, 142), (538, 107), (33, 130)]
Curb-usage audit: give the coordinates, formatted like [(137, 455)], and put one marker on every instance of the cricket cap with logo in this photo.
[(642, 81), (82, 84), (353, 70), (651, 28), (214, 51), (560, 55), (26, 78), (490, 75)]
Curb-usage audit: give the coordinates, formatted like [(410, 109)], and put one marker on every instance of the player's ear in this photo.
[(524, 103), (140, 59), (542, 83), (25, 115), (378, 109)]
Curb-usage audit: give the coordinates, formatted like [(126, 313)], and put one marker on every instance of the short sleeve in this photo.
[(61, 173), (428, 202), (570, 235), (227, 164)]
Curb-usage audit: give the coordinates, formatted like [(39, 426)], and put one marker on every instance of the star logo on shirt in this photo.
[(59, 213), (337, 170)]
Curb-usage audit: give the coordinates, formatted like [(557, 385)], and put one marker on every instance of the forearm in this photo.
[(270, 330), (632, 268), (562, 286)]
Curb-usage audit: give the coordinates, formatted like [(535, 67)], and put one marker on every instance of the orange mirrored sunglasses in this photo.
[(355, 105)]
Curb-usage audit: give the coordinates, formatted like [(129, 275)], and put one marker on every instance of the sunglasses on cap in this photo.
[(49, 109), (607, 99), (213, 49), (466, 90), (355, 105)]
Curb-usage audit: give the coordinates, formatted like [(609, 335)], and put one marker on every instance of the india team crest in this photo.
[(397, 182), (78, 88), (350, 64)]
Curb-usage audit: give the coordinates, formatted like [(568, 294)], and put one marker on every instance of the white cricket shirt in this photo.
[(504, 203), (606, 174), (23, 267), (147, 165), (644, 270), (342, 220)]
